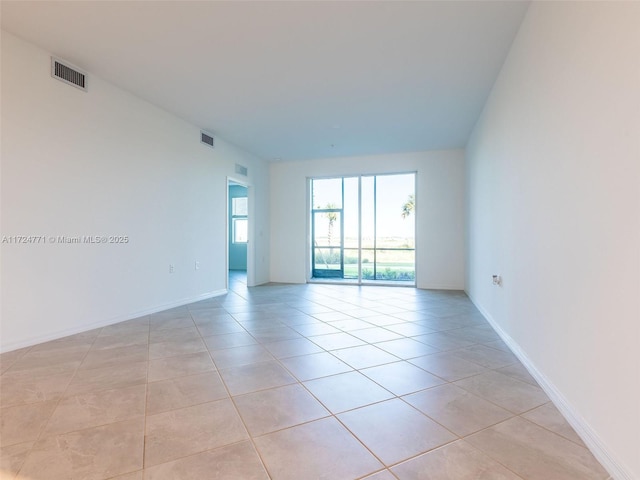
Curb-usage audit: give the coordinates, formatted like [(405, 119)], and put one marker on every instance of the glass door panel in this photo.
[(328, 255)]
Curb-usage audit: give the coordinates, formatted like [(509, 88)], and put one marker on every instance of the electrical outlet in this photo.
[(197, 265), (171, 269), (497, 280)]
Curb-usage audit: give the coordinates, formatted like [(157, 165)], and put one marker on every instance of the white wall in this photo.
[(107, 163), (553, 204), (440, 212)]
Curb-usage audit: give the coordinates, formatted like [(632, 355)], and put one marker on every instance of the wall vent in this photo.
[(241, 170), (207, 139), (68, 74)]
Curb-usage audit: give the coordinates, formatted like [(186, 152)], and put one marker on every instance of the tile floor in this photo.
[(286, 382)]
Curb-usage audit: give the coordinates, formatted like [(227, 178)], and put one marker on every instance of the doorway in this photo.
[(238, 234), (363, 228)]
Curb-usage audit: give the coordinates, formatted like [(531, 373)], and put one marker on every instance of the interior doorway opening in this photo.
[(238, 234)]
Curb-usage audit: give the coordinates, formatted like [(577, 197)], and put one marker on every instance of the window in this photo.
[(363, 228), (239, 209)]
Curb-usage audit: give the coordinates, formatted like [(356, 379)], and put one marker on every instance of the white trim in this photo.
[(589, 436), (103, 323)]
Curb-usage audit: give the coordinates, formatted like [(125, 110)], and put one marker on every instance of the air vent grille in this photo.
[(68, 74), (241, 169), (207, 139)]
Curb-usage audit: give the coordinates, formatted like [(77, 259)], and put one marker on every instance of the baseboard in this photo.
[(607, 459), (110, 321)]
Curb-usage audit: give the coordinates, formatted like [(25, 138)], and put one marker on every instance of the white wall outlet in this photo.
[(171, 269), (497, 280), (197, 265)]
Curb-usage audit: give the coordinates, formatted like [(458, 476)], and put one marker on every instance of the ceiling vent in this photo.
[(69, 74), (241, 169), (207, 139)]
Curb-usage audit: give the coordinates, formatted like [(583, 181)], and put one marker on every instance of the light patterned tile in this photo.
[(406, 348), (333, 341), (107, 378), (292, 348), (180, 392), (382, 475), (346, 391), (238, 356), (120, 341), (102, 381), (9, 358), (401, 378), (239, 461), (12, 458), (507, 392), (21, 388), (535, 453), (308, 367), (173, 348), (24, 423), (172, 367), (95, 409), (448, 366), (254, 377), (190, 430), (115, 356), (456, 409), (270, 410), (549, 417), (91, 454), (394, 431), (456, 461), (486, 356), (518, 372), (229, 340), (174, 334), (320, 449)]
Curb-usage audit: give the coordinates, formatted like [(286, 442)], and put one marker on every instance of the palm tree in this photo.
[(332, 217), (409, 206)]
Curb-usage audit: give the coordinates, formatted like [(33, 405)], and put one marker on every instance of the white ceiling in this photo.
[(292, 80)]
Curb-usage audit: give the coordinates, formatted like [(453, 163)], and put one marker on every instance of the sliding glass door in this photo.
[(327, 227), (363, 228)]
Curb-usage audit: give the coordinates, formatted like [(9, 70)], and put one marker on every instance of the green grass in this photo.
[(384, 271)]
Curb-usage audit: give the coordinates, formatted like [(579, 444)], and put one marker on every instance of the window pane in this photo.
[(367, 264), (350, 263), (327, 229), (327, 193), (368, 212), (395, 265), (351, 212), (327, 259), (395, 225), (239, 206), (240, 230)]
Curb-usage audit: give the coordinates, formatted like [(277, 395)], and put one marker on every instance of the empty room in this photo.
[(320, 240)]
